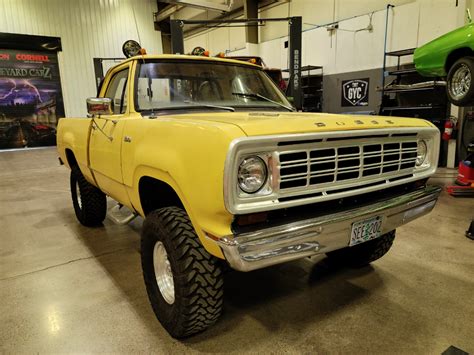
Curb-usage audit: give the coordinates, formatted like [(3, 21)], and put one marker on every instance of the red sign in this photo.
[(32, 57)]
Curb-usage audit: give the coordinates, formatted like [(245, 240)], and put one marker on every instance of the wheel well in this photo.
[(155, 194), (71, 159), (457, 54)]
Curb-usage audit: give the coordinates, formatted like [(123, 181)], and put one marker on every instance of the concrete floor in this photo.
[(67, 288)]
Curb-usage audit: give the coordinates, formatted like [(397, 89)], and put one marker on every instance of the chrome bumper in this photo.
[(275, 245)]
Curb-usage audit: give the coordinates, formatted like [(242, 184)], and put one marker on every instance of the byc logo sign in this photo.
[(355, 92)]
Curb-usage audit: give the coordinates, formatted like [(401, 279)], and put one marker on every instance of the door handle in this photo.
[(127, 139)]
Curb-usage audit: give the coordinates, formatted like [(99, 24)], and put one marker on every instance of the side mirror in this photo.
[(97, 106), (469, 18)]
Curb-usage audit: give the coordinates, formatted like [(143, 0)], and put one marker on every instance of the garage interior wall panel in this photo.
[(201, 40), (88, 29), (411, 24), (219, 42), (318, 48), (438, 17), (273, 30), (229, 38), (355, 48), (274, 53), (348, 8), (236, 38), (319, 12), (403, 30), (313, 12)]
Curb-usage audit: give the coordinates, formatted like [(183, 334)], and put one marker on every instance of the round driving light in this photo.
[(252, 174), (421, 152), (131, 48)]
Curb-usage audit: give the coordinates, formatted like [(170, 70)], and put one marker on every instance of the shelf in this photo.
[(408, 108), (309, 76), (402, 71), (305, 68), (389, 91), (310, 67), (401, 53)]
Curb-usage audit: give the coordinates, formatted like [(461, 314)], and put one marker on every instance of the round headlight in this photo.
[(252, 174), (421, 153)]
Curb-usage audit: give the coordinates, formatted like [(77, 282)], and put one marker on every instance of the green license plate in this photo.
[(365, 230)]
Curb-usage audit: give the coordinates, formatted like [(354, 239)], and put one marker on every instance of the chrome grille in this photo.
[(342, 164)]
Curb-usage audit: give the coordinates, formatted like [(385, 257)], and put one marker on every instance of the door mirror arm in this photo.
[(95, 125)]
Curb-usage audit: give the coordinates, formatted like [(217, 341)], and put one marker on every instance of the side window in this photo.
[(117, 91)]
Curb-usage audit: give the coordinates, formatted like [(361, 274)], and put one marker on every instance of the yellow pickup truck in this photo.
[(225, 173)]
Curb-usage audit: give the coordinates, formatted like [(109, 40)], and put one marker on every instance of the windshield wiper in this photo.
[(228, 108), (261, 97)]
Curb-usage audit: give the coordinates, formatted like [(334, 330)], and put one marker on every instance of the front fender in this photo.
[(189, 156), (196, 219)]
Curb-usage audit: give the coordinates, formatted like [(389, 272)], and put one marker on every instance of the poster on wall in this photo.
[(30, 98), (355, 92)]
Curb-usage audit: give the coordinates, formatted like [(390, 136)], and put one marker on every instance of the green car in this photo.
[(451, 56)]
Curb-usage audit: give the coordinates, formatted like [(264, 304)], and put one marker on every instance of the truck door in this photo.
[(106, 136)]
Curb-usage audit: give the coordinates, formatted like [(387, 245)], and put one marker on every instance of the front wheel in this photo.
[(459, 85), (183, 281), (363, 254)]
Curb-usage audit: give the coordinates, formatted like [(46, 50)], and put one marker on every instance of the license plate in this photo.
[(366, 230)]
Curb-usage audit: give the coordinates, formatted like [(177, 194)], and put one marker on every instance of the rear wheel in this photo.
[(459, 83), (183, 281), (90, 204), (363, 254)]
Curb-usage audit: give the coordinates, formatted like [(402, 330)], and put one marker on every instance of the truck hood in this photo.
[(272, 123)]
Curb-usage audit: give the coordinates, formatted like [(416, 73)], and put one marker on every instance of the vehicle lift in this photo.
[(295, 44)]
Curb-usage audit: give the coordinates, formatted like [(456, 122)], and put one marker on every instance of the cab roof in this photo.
[(190, 57)]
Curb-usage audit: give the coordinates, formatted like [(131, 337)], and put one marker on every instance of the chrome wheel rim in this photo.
[(78, 194), (460, 82), (163, 273)]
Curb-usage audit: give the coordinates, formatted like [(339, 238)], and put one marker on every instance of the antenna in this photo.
[(136, 24), (138, 32)]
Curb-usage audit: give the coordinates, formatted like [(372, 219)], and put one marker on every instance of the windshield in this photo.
[(205, 85)]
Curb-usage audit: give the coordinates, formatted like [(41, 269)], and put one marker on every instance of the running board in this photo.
[(121, 215)]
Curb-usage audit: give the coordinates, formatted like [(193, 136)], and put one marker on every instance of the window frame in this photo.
[(124, 90), (193, 61)]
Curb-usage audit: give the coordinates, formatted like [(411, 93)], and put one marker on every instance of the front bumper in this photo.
[(275, 245)]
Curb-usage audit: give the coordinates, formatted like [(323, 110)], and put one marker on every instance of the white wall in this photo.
[(411, 24), (88, 29), (218, 40)]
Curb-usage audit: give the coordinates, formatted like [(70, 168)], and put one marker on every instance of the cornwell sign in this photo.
[(355, 92)]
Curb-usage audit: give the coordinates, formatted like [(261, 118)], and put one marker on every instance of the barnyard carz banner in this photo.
[(31, 101)]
